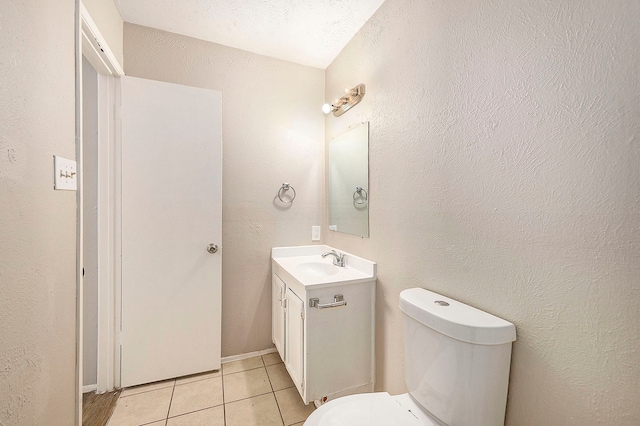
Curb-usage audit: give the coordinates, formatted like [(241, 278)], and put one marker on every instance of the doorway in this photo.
[(100, 227)]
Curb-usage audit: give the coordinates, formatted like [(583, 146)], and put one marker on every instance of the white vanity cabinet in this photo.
[(323, 325)]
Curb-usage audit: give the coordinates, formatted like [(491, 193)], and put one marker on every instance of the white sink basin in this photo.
[(317, 268), (306, 265)]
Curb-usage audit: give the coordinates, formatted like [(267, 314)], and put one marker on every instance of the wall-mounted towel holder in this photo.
[(284, 188)]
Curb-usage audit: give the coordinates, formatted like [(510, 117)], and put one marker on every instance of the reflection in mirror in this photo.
[(349, 181)]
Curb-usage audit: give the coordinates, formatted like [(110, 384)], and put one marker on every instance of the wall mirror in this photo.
[(349, 181)]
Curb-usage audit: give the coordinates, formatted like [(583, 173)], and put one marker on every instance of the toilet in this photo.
[(457, 361)]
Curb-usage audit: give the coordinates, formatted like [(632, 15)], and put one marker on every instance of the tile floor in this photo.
[(252, 392)]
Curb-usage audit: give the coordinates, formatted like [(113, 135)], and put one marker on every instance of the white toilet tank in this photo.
[(457, 359)]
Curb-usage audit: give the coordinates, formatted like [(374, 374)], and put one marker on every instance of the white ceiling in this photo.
[(309, 32)]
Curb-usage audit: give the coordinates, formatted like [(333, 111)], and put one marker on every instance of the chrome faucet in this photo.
[(338, 258)]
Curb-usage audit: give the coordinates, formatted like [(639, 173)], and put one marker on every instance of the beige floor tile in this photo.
[(148, 387), (291, 406), (245, 384), (279, 377), (298, 424), (270, 359), (160, 423), (196, 396), (209, 417), (257, 411), (242, 365), (196, 377), (142, 408)]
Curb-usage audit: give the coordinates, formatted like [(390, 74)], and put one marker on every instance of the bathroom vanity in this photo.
[(323, 321)]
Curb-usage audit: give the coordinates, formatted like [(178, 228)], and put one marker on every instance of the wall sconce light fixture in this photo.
[(345, 103)]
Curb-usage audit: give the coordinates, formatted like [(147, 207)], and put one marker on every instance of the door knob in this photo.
[(212, 248)]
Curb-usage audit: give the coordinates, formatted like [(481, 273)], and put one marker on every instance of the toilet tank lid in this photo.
[(455, 319)]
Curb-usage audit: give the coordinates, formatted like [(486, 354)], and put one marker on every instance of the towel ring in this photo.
[(359, 190), (284, 188)]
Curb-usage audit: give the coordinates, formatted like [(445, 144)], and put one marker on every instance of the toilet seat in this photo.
[(370, 409)]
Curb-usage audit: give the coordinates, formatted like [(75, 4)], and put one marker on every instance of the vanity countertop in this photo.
[(306, 265)]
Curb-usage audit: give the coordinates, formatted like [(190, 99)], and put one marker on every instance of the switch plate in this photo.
[(65, 174), (315, 233)]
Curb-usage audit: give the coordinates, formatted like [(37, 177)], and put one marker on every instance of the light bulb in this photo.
[(326, 108)]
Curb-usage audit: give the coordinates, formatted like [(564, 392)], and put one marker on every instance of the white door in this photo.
[(171, 212)]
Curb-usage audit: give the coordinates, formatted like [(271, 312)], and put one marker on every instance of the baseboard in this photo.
[(89, 388), (239, 357)]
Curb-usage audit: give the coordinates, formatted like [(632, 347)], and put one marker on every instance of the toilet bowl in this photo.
[(371, 409), (457, 361)]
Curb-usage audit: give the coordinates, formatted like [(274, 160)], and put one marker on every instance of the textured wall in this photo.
[(272, 132), (106, 16), (37, 224), (505, 172)]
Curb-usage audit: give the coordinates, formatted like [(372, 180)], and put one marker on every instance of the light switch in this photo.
[(315, 233), (65, 174)]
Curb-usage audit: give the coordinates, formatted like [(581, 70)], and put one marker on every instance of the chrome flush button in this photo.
[(441, 303)]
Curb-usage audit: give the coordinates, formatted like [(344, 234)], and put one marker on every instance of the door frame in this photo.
[(90, 43)]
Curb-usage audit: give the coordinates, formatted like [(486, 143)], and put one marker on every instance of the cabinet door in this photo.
[(278, 314), (294, 340)]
